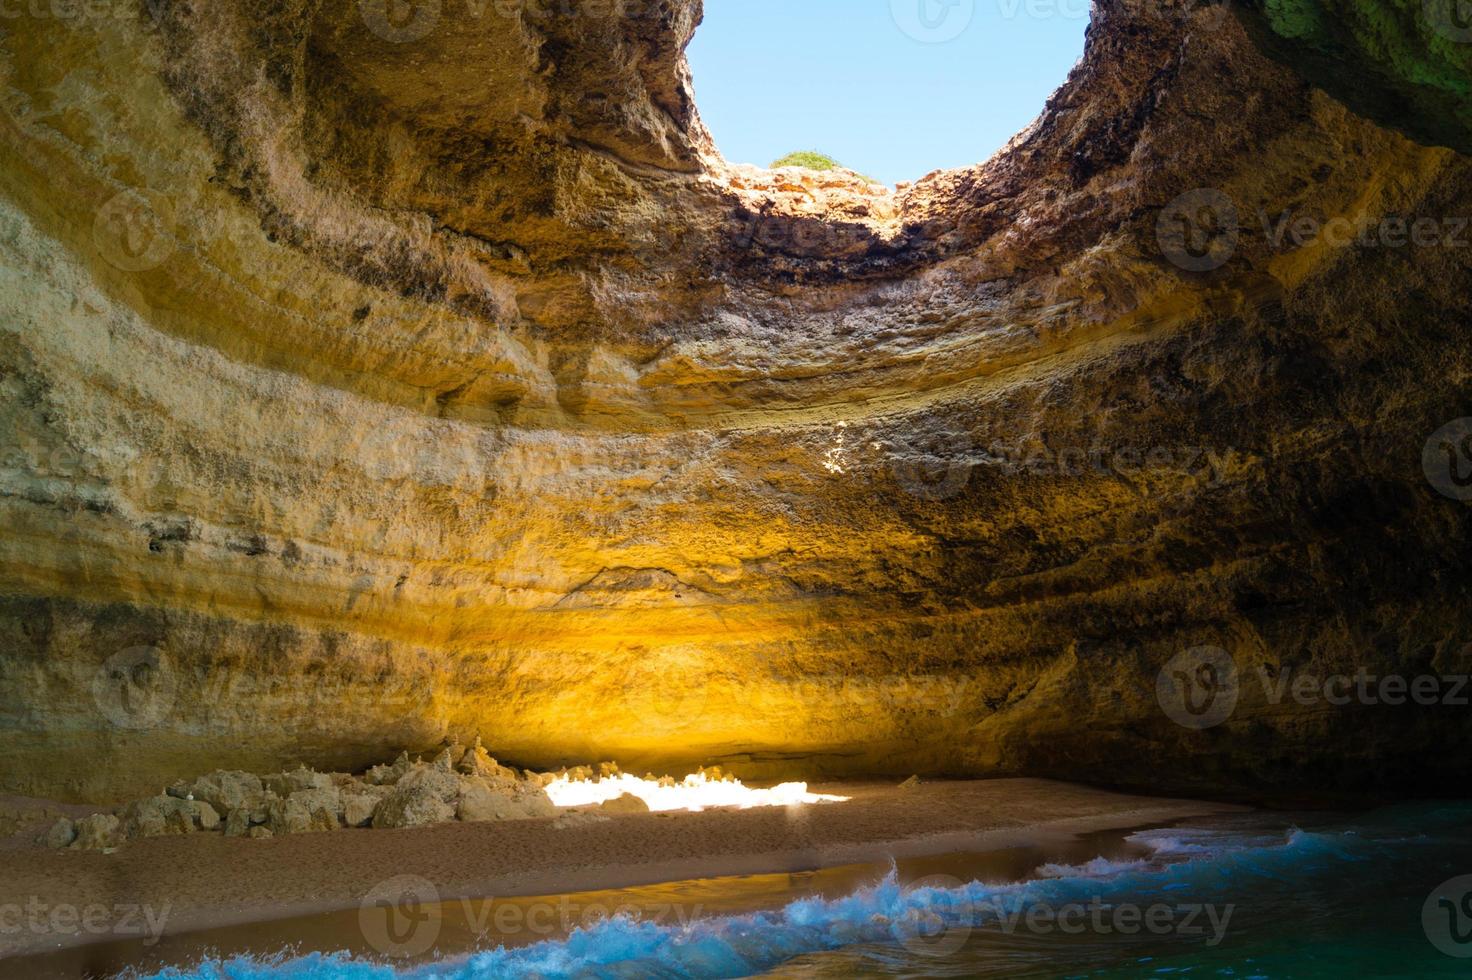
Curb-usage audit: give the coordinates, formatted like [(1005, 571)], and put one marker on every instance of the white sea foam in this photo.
[(742, 945)]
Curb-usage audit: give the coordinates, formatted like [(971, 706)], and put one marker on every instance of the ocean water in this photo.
[(1255, 895)]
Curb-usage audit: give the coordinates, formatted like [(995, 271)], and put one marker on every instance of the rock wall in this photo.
[(373, 381)]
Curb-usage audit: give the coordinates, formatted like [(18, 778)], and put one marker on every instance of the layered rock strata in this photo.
[(369, 382)]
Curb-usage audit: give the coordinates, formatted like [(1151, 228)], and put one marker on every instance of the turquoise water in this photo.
[(1250, 896)]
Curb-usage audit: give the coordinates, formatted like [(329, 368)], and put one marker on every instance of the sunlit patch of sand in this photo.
[(695, 793)]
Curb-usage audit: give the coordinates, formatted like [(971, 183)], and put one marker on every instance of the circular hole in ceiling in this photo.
[(893, 89)]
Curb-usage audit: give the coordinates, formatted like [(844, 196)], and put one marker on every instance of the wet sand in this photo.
[(206, 882)]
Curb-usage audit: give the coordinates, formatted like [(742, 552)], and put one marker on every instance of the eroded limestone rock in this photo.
[(354, 402), (409, 794), (413, 806), (628, 803), (98, 832), (223, 790), (61, 834), (478, 762), (299, 780), (158, 816), (358, 807)]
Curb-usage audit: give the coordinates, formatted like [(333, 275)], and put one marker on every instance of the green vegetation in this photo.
[(813, 160)]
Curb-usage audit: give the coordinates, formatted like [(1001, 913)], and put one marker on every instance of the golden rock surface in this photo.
[(371, 382)]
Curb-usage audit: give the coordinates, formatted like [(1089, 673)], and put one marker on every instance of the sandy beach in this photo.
[(207, 882)]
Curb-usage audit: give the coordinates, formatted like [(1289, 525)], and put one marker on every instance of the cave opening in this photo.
[(418, 428), (891, 90)]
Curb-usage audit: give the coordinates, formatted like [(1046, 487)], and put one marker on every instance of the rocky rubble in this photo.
[(459, 784)]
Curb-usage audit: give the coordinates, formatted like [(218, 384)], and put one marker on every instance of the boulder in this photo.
[(411, 808), (61, 834), (261, 833), (389, 775), (98, 832), (323, 805), (482, 800), (254, 812), (478, 762), (436, 780), (227, 789), (535, 801), (238, 822), (414, 804), (206, 817), (446, 759), (357, 808), (628, 803), (287, 817), (158, 816), (298, 780)]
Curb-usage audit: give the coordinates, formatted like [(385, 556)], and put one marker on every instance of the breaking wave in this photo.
[(934, 915)]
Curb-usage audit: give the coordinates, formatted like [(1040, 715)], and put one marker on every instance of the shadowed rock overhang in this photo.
[(370, 382)]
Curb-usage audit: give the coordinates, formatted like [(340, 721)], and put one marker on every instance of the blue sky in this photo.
[(891, 88)]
